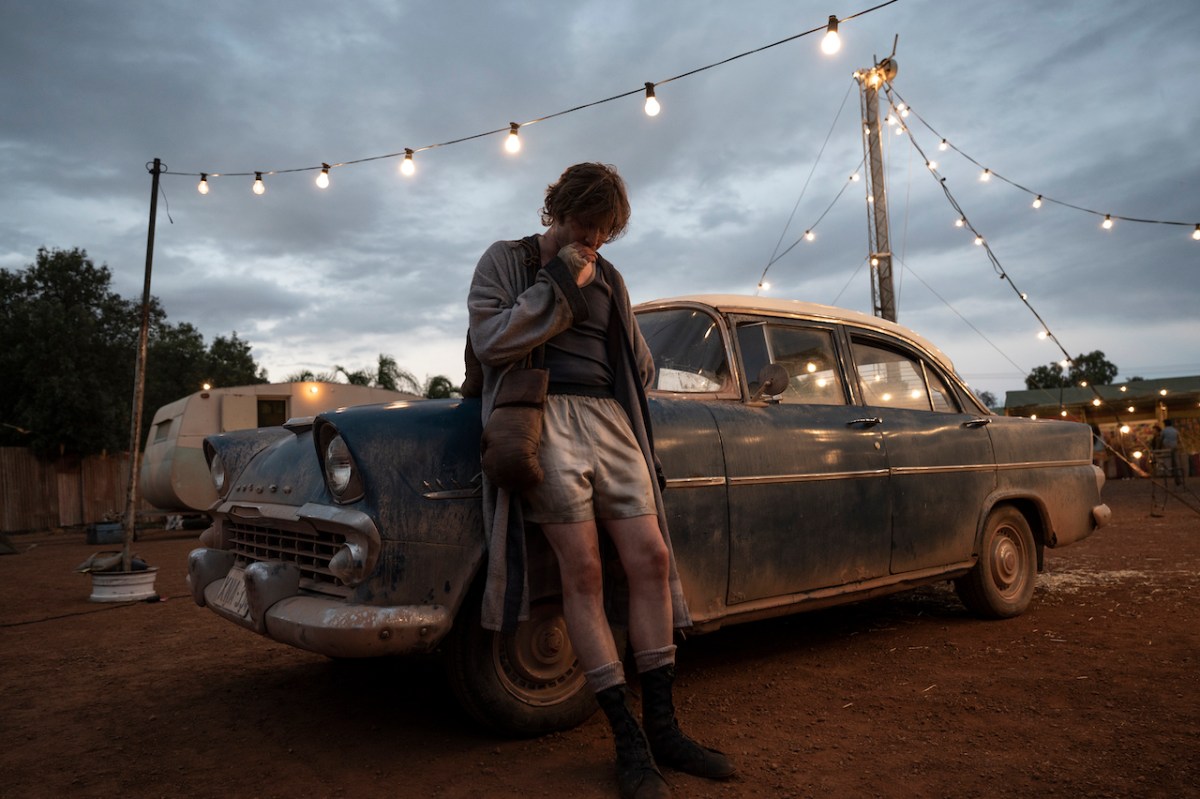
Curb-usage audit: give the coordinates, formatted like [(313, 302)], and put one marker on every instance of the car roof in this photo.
[(770, 306)]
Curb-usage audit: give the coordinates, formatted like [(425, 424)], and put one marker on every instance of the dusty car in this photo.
[(812, 456)]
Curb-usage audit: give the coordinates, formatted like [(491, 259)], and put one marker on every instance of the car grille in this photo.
[(310, 550)]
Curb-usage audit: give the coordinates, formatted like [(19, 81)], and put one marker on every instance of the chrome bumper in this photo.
[(269, 602)]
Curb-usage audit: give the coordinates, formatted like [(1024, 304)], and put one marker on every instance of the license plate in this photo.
[(232, 596)]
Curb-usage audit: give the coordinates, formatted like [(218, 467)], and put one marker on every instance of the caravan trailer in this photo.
[(174, 476)]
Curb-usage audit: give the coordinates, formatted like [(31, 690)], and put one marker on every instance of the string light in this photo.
[(986, 175), (323, 178), (832, 42), (1037, 201), (1043, 334), (765, 286), (407, 167), (202, 187), (978, 240), (945, 145), (855, 178), (513, 142), (259, 186), (960, 222), (809, 235), (652, 106), (1107, 223), (1196, 233), (931, 165)]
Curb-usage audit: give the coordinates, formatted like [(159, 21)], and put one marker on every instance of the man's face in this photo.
[(586, 234)]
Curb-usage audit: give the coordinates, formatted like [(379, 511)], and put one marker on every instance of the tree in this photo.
[(440, 387), (987, 398), (1093, 368), (67, 348), (231, 364)]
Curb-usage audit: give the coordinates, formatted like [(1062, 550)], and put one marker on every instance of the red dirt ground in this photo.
[(1094, 692)]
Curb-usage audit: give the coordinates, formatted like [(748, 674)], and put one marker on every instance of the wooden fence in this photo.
[(68, 492)]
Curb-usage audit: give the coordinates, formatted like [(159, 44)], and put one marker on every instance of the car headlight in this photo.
[(340, 473), (216, 469)]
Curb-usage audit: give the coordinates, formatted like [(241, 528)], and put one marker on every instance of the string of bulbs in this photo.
[(900, 110), (830, 43)]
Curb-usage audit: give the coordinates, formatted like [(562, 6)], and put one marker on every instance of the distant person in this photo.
[(1099, 449), (1169, 440)]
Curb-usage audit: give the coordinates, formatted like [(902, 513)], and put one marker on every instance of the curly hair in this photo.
[(590, 194)]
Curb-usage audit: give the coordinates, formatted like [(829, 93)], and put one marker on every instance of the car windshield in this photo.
[(688, 349)]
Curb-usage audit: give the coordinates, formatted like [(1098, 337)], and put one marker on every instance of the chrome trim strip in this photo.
[(694, 482), (976, 467), (805, 478), (1042, 464), (455, 493)]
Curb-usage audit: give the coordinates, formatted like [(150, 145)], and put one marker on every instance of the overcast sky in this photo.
[(1091, 103)]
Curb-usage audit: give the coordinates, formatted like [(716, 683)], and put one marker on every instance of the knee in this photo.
[(583, 578), (651, 563)]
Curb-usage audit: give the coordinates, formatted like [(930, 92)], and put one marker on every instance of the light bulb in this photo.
[(407, 167), (931, 164), (874, 261), (944, 145), (202, 186), (832, 42), (809, 235), (1107, 223), (1024, 296), (900, 129), (1196, 233), (1037, 201), (1096, 402), (1033, 416), (854, 179), (1064, 363), (1124, 428), (513, 142), (652, 106), (259, 186), (1042, 334), (764, 285), (1131, 409), (1083, 384), (978, 241), (986, 175), (962, 220), (1062, 413), (323, 178)]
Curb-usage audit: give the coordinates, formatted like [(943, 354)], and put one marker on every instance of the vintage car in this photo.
[(812, 456)]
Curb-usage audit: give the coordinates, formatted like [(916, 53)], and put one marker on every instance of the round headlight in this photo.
[(339, 468), (216, 470)]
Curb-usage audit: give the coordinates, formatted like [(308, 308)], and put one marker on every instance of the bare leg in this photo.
[(577, 548), (644, 556)]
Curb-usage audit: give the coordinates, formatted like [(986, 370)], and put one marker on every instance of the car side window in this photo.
[(808, 354), (894, 379), (688, 348)]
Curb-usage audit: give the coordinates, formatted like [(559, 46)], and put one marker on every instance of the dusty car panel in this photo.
[(812, 456)]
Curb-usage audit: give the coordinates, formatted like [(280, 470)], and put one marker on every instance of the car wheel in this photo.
[(1000, 585), (524, 683)]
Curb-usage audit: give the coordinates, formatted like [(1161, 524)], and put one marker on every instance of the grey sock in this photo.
[(650, 659), (605, 676)]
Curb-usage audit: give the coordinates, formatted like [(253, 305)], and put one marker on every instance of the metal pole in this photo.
[(139, 382)]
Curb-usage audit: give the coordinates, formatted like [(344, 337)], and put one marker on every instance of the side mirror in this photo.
[(772, 380)]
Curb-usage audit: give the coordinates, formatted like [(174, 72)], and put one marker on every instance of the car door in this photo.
[(807, 478), (939, 454)]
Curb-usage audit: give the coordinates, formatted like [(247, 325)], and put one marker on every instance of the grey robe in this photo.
[(513, 309)]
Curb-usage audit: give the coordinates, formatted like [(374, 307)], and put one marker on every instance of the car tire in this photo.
[(524, 683), (1000, 585)]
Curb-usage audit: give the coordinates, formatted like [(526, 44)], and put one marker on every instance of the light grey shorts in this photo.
[(593, 464)]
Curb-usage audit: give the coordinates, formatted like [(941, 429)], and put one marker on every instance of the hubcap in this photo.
[(1007, 558), (537, 661)]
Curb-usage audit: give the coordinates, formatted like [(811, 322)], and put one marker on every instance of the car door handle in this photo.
[(869, 421), (981, 421)]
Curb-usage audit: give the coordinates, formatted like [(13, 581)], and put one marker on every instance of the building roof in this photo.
[(1179, 391)]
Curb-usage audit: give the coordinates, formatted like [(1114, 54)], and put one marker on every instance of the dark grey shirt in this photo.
[(578, 357)]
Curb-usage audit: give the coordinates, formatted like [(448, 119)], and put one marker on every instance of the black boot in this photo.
[(637, 775), (668, 743)]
